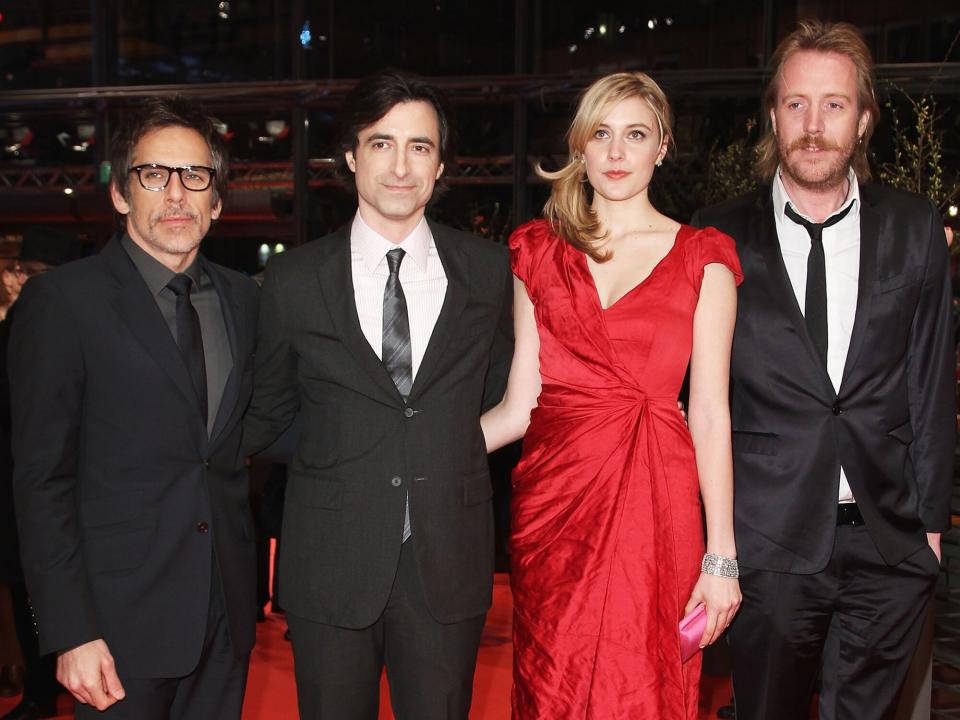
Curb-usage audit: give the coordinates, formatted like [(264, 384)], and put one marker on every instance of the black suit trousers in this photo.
[(860, 617), (213, 691), (430, 665)]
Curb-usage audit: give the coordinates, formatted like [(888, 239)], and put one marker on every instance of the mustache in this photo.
[(806, 141), (175, 212)]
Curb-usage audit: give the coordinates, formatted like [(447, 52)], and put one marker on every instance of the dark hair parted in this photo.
[(843, 39), (375, 96), (161, 112)]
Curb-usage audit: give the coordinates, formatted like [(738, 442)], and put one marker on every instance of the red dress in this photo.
[(607, 534)]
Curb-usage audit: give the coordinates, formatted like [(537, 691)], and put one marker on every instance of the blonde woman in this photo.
[(613, 300)]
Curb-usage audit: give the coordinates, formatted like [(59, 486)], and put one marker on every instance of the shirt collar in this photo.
[(154, 272), (373, 247), (781, 197)]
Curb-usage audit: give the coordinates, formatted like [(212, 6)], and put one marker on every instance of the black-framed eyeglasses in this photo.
[(155, 177)]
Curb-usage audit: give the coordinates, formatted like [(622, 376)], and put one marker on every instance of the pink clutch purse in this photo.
[(691, 630)]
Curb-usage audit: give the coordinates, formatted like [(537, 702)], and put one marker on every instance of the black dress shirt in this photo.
[(213, 328)]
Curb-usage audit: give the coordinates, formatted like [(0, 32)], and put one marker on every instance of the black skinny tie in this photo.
[(815, 306), (396, 354), (189, 337)]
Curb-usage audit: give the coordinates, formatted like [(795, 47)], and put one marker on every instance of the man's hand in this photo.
[(933, 540), (88, 672)]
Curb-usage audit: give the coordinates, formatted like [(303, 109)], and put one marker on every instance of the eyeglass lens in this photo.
[(156, 177)]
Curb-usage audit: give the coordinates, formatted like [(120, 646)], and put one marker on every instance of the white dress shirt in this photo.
[(421, 275), (841, 251)]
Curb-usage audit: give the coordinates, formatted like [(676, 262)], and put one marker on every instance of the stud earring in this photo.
[(659, 163)]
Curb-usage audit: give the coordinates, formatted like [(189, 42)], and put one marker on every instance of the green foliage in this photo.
[(917, 163), (731, 170)]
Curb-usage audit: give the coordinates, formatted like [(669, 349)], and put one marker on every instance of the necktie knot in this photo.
[(815, 230), (394, 258), (180, 284)]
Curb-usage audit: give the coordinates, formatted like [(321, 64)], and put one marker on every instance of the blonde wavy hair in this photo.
[(841, 38), (569, 208)]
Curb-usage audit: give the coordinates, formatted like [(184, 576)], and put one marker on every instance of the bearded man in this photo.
[(842, 398)]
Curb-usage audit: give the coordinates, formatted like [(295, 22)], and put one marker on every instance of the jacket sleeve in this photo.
[(930, 379), (501, 350), (276, 398), (46, 372)]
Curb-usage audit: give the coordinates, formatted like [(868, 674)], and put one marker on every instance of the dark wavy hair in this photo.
[(161, 112), (375, 96)]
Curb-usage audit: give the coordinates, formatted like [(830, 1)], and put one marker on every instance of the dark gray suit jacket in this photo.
[(115, 470), (892, 424), (362, 448)]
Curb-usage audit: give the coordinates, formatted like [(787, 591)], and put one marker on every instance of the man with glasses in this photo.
[(129, 374)]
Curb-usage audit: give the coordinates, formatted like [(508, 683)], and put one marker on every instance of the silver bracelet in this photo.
[(719, 566)]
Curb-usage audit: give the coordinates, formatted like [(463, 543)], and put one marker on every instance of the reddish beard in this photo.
[(825, 176)]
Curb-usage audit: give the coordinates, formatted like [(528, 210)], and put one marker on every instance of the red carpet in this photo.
[(271, 694)]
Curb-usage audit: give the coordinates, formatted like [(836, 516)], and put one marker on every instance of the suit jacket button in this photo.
[(408, 412), (836, 410), (202, 527), (396, 481)]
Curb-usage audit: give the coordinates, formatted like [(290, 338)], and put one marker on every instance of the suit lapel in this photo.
[(335, 275), (233, 319), (869, 242), (456, 267), (778, 280), (138, 310)]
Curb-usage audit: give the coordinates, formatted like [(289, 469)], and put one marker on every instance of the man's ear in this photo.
[(351, 161), (863, 123), (216, 209), (439, 171), (773, 121), (119, 202)]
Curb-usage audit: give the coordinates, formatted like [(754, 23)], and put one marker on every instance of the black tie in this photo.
[(396, 328), (815, 306), (189, 337)]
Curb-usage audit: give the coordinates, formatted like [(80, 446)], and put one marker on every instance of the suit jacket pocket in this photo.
[(755, 443), (109, 513), (319, 493), (908, 277), (117, 533), (903, 433), (477, 488)]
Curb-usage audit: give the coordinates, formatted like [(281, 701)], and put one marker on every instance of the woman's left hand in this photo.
[(721, 597)]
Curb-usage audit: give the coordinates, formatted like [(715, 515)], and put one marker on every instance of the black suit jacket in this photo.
[(362, 448), (115, 472), (892, 424)]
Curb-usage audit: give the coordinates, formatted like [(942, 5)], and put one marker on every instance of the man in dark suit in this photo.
[(129, 373), (388, 337), (43, 248), (842, 399)]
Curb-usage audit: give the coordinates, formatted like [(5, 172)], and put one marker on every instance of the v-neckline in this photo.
[(632, 290)]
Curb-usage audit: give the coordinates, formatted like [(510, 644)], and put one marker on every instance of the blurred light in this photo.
[(68, 191), (952, 211), (305, 35), (572, 48), (1, 17), (279, 248), (622, 29), (652, 23), (276, 128), (668, 21), (263, 254), (223, 10), (602, 29), (588, 33)]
